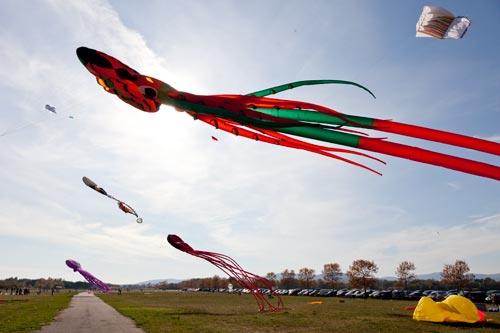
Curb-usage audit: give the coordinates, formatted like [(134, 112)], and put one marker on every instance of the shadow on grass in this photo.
[(398, 315), (493, 325), (471, 326)]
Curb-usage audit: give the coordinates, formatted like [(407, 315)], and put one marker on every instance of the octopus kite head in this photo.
[(115, 77), (179, 244), (75, 265)]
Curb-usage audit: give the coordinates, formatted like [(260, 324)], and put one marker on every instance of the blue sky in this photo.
[(268, 207)]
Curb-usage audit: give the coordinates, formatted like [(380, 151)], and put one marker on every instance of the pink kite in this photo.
[(233, 269)]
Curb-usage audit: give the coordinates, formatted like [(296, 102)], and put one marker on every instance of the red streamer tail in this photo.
[(429, 157), (454, 139), (279, 139)]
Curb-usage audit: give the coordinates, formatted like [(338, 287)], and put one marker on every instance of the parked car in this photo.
[(437, 295), (453, 292), (351, 293), (477, 296), (489, 292), (427, 292), (313, 292), (341, 292), (416, 295), (399, 294), (304, 292), (381, 294), (326, 292), (364, 294)]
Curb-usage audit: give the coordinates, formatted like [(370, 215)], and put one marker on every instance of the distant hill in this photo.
[(495, 277), (156, 281)]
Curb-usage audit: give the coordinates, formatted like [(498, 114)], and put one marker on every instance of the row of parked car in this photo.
[(491, 296)]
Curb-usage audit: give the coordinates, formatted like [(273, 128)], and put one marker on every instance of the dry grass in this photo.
[(213, 312), (30, 312)]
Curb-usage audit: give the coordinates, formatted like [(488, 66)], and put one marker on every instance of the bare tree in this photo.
[(271, 276), (306, 277), (287, 278), (457, 275), (331, 274), (361, 274), (216, 282), (405, 274)]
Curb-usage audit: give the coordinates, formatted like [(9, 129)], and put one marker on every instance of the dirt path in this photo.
[(87, 313)]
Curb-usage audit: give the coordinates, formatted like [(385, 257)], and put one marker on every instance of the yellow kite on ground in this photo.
[(453, 309)]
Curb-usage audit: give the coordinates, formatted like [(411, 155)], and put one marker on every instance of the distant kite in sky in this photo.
[(95, 282), (265, 119), (245, 279), (50, 108), (439, 23), (123, 206), (18, 128)]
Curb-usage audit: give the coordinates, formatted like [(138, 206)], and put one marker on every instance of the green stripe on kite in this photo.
[(288, 86), (324, 135), (317, 117)]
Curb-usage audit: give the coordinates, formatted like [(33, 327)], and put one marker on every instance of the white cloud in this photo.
[(60, 226), (494, 138)]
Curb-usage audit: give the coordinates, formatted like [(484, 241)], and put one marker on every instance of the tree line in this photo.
[(41, 284), (360, 275)]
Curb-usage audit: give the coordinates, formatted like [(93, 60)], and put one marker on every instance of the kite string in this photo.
[(69, 107)]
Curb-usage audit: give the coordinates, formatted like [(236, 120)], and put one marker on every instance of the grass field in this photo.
[(214, 312), (30, 312)]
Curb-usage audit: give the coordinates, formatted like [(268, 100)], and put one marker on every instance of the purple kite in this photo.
[(245, 279), (95, 282), (123, 206)]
